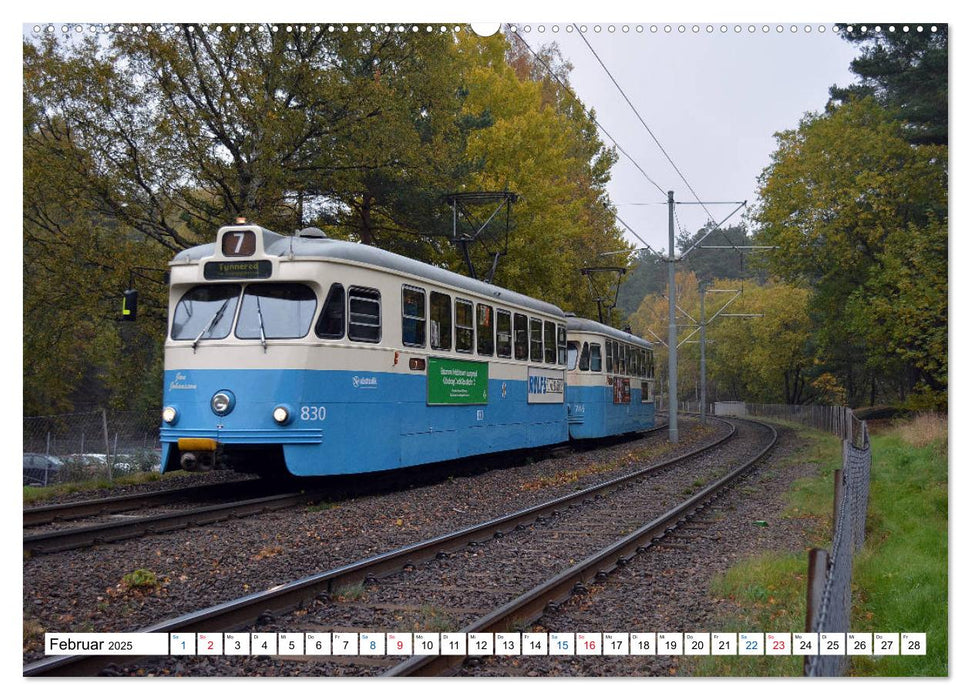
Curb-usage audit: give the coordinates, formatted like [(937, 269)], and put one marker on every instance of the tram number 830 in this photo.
[(312, 413)]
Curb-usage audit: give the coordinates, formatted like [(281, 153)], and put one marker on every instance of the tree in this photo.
[(855, 210), (550, 155), (649, 275), (143, 145), (907, 73), (767, 359)]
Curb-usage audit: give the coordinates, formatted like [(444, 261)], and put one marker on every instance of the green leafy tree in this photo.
[(907, 73), (766, 360), (547, 151), (649, 274), (856, 211)]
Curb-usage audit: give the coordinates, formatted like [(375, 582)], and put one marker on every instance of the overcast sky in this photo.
[(713, 100)]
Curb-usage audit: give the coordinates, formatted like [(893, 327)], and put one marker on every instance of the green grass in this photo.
[(139, 578), (899, 578), (37, 494), (433, 619)]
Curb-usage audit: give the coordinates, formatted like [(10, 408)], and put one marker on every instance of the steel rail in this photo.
[(59, 540), (238, 613), (530, 606), (45, 514)]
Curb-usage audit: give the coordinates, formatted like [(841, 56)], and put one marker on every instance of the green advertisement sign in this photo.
[(457, 382)]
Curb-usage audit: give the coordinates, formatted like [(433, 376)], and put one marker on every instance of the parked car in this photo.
[(40, 470)]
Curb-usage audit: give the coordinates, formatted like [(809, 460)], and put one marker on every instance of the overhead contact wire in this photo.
[(589, 113), (644, 123)]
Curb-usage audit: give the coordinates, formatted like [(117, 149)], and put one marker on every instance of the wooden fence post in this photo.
[(818, 564)]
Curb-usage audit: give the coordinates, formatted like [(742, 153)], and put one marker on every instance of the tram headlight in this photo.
[(222, 402), (170, 414), (281, 414)]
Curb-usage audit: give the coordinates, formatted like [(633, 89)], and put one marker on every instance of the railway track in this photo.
[(59, 512), (549, 594), (125, 527), (237, 614), (60, 540)]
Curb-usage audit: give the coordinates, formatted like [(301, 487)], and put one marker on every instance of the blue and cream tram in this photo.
[(610, 380), (335, 358)]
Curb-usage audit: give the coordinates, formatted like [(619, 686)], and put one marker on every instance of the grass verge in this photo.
[(38, 494), (899, 578)]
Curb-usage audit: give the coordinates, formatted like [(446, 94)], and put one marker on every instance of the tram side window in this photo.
[(463, 326), (549, 342), (650, 364), (622, 356), (364, 323), (331, 321), (535, 340), (441, 321), (503, 333), (595, 360), (413, 316), (610, 356), (573, 352), (520, 337), (585, 358), (560, 344), (485, 329)]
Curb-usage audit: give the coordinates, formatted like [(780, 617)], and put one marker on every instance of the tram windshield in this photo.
[(205, 311), (276, 311), (268, 311)]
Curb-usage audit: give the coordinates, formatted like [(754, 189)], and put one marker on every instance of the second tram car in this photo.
[(610, 380)]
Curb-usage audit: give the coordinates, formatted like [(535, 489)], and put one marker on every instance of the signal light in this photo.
[(129, 305)]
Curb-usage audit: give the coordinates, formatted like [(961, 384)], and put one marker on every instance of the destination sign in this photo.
[(238, 270)]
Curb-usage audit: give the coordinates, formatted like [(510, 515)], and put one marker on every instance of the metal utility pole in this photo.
[(672, 331), (704, 399)]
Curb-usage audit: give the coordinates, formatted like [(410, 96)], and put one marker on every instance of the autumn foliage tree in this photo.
[(145, 142), (859, 215), (765, 359)]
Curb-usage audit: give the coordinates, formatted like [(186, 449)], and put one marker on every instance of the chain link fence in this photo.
[(838, 420), (829, 596), (91, 445)]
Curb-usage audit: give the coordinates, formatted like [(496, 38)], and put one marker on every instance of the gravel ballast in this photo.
[(204, 566)]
